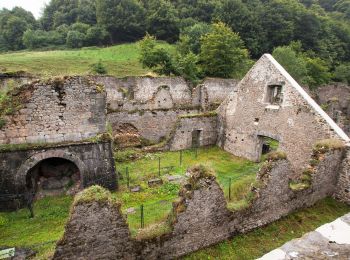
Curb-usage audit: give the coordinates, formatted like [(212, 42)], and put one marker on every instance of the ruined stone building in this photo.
[(57, 136), (313, 162)]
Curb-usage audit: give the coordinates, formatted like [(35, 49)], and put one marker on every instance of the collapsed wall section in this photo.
[(201, 217)]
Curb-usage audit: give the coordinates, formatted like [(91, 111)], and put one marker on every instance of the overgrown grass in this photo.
[(262, 240), (119, 60), (17, 229)]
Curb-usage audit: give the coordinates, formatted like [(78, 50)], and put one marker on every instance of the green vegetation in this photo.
[(93, 193), (321, 27), (119, 60), (328, 144), (220, 53), (262, 240)]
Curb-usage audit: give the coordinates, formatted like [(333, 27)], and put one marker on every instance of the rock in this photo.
[(66, 181), (52, 184), (135, 189), (20, 253), (155, 182), (175, 178), (130, 211)]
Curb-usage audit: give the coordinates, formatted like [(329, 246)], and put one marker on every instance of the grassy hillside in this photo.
[(120, 60)]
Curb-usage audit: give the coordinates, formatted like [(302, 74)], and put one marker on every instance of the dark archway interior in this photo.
[(53, 176)]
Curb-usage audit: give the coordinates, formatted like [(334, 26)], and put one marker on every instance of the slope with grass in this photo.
[(120, 61)]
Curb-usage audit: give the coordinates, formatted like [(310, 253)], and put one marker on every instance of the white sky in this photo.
[(35, 6)]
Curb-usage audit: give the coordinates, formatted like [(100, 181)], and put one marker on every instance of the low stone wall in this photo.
[(201, 216), (94, 161), (183, 135)]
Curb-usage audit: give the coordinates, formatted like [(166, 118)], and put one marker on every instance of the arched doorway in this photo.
[(53, 176)]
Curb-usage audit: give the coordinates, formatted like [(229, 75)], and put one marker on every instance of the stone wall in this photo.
[(343, 187), (98, 225), (182, 137), (94, 161), (202, 218), (72, 109), (153, 125), (296, 121), (335, 100), (147, 93), (214, 91)]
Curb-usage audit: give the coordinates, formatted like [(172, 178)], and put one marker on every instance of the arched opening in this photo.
[(53, 176), (266, 145)]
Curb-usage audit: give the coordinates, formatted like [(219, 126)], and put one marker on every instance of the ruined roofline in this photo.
[(308, 99)]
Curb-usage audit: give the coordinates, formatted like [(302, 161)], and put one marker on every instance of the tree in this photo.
[(162, 20), (13, 24), (123, 19), (222, 52), (342, 73), (75, 39), (303, 67), (288, 58), (154, 57), (192, 35)]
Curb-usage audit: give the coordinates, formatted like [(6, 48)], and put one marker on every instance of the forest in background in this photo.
[(313, 32)]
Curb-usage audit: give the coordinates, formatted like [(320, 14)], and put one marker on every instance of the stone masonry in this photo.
[(72, 109), (269, 103)]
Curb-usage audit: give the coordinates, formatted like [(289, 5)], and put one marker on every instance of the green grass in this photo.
[(262, 240), (17, 229), (120, 60)]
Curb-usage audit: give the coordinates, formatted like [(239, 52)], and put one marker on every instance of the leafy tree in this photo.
[(154, 57), (222, 52), (97, 35), (123, 19), (306, 69), (289, 59), (342, 73), (75, 39), (162, 20), (192, 36), (13, 24), (187, 66)]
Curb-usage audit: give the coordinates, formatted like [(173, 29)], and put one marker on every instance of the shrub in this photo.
[(328, 144), (99, 68)]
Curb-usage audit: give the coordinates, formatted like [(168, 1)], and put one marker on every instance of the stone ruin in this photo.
[(69, 120)]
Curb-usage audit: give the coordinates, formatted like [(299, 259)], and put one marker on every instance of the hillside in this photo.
[(120, 60)]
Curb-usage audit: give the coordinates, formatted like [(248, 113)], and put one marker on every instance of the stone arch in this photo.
[(40, 156)]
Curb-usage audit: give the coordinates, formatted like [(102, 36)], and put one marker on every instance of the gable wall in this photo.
[(295, 124)]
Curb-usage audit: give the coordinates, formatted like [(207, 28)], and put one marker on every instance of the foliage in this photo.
[(309, 70), (328, 144), (99, 68), (93, 193), (75, 39), (342, 73), (222, 52)]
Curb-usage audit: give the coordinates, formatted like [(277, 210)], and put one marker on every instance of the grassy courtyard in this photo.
[(41, 232), (120, 60)]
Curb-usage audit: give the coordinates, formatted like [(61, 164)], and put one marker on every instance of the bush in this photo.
[(75, 39), (99, 68)]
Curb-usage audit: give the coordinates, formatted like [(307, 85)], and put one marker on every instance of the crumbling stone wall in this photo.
[(296, 122), (335, 100), (94, 161), (182, 137), (213, 91), (153, 125), (96, 230), (71, 109), (343, 186), (201, 216)]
